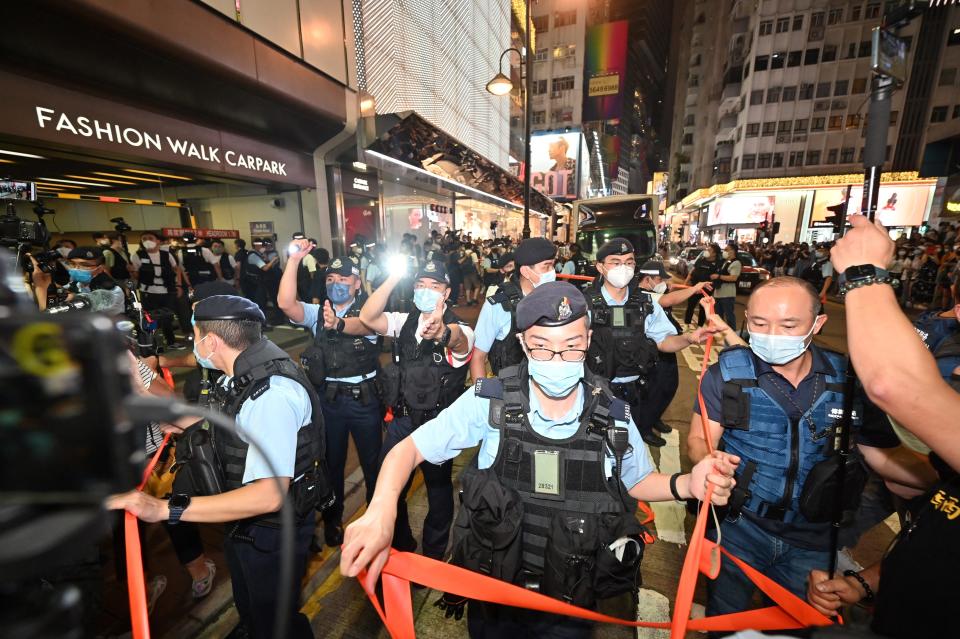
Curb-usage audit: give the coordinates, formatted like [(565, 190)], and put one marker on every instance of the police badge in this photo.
[(563, 309)]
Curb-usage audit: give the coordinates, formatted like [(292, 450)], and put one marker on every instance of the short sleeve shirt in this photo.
[(492, 324), (395, 322), (656, 326), (157, 288), (311, 321)]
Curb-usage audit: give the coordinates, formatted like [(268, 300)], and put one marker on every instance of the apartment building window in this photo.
[(823, 90), (832, 156), (541, 24), (540, 117), (794, 58), (687, 139), (813, 158), (769, 128), (777, 60), (749, 161), (797, 23), (773, 94), (853, 121), (851, 51), (938, 114), (766, 27), (859, 85), (816, 19), (789, 94), (800, 126), (947, 77), (806, 91), (564, 18), (817, 124), (540, 55), (783, 126), (739, 133), (860, 156), (893, 117), (795, 158), (539, 87), (566, 83), (783, 25), (566, 51), (956, 112), (834, 16), (778, 160), (763, 161), (756, 97), (689, 120), (846, 155), (864, 50), (841, 87), (836, 123), (855, 13), (753, 129), (873, 10), (811, 56), (761, 62), (693, 81), (829, 52)]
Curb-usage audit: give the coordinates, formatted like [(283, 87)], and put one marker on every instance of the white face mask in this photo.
[(620, 276), (549, 276), (660, 288), (149, 244)]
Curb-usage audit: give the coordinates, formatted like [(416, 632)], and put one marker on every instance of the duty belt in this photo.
[(362, 391)]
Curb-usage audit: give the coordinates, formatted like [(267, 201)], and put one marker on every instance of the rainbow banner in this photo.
[(605, 66)]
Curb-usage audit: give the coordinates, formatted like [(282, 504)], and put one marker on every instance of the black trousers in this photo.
[(661, 388), (491, 621), (254, 564), (439, 483), (693, 303), (639, 399)]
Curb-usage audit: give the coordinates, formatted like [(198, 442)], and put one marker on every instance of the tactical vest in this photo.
[(428, 382), (197, 268), (253, 369), (507, 351), (249, 272), (933, 329), (550, 528), (814, 275), (225, 268), (580, 264), (119, 269), (620, 346), (147, 273), (776, 455), (948, 359), (335, 354)]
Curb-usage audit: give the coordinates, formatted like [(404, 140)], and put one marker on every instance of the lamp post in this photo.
[(502, 85)]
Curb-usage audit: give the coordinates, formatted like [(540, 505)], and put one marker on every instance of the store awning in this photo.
[(413, 144)]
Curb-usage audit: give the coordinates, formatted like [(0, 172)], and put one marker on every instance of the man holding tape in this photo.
[(554, 484)]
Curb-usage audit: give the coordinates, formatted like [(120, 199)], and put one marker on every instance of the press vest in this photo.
[(335, 354), (550, 529), (507, 351), (253, 369), (197, 268), (779, 453), (147, 274), (620, 346), (225, 268), (119, 269), (429, 383)]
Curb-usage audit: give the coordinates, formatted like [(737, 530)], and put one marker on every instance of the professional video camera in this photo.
[(16, 232)]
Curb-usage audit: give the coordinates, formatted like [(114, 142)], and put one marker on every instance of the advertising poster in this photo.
[(554, 162), (898, 205), (741, 209), (605, 65)]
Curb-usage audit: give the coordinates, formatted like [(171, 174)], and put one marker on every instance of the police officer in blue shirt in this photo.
[(342, 364), (496, 327), (274, 404), (554, 444), (629, 331)]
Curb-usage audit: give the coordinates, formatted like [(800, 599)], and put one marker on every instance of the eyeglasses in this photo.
[(546, 354)]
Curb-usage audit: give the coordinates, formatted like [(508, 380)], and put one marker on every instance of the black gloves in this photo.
[(452, 605)]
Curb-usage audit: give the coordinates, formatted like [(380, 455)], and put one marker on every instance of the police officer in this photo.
[(255, 271), (199, 263), (626, 343), (116, 259), (431, 349), (820, 272), (274, 404), (496, 327), (776, 405), (558, 459), (342, 364)]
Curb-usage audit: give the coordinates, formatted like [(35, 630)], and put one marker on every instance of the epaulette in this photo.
[(260, 388), (619, 410), (489, 388)]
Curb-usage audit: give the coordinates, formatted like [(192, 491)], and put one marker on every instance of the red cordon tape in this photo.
[(703, 555)]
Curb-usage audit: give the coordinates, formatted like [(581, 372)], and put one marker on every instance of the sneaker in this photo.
[(155, 588), (202, 587)]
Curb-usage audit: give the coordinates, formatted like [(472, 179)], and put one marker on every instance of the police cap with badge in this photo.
[(534, 250), (616, 246), (653, 268), (435, 271), (345, 266), (551, 304), (228, 307)]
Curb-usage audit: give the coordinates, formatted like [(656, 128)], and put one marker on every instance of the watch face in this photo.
[(860, 271), (179, 501)]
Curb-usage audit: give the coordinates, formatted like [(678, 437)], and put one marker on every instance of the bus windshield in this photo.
[(642, 236)]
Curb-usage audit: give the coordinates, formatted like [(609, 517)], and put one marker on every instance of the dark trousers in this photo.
[(166, 302), (255, 574), (693, 303), (726, 309), (344, 416), (661, 389), (490, 621), (639, 399), (439, 483), (185, 537)]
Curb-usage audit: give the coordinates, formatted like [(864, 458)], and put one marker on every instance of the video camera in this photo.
[(16, 232)]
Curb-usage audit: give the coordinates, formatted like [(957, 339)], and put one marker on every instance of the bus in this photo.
[(633, 217)]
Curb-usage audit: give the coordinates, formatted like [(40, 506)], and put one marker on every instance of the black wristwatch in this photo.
[(178, 503), (445, 338), (341, 324), (862, 275)]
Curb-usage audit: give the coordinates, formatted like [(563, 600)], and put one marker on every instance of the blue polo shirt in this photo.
[(311, 320), (493, 324)]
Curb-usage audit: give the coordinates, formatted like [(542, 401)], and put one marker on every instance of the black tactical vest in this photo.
[(225, 268), (197, 268), (551, 530), (428, 382), (580, 264), (334, 354), (814, 275), (253, 369), (507, 351), (147, 273), (119, 269), (620, 346)]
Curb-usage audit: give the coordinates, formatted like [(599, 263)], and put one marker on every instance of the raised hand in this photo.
[(300, 248), (330, 319)]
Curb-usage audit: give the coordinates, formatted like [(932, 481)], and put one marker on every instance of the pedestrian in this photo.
[(703, 268), (726, 279), (161, 283)]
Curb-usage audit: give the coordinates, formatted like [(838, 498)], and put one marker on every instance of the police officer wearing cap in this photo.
[(430, 351), (496, 327), (274, 405), (342, 364), (553, 488), (630, 330), (86, 267)]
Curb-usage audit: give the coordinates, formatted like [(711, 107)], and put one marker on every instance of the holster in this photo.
[(198, 471)]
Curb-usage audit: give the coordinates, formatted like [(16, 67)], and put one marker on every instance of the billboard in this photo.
[(605, 67), (741, 209), (555, 162), (898, 204)]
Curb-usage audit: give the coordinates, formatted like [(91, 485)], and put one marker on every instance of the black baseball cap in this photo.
[(228, 307), (551, 304), (616, 246), (434, 270), (86, 253), (534, 250)]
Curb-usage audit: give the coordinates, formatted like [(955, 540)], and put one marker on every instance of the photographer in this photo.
[(115, 257), (87, 271), (161, 283)]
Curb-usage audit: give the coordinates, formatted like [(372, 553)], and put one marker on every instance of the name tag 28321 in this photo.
[(546, 472)]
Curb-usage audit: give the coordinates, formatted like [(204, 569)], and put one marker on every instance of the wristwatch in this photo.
[(445, 337), (341, 324), (178, 503), (862, 275)]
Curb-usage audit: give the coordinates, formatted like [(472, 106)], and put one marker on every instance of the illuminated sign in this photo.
[(608, 84), (741, 209), (554, 158), (207, 233)]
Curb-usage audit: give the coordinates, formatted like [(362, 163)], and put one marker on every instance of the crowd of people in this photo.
[(569, 384)]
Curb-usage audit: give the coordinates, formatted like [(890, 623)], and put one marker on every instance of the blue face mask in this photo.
[(339, 293), (555, 378), (80, 275), (203, 361), (426, 299), (779, 349)]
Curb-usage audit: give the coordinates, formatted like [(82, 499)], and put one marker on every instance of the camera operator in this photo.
[(87, 271), (115, 257), (161, 283)]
